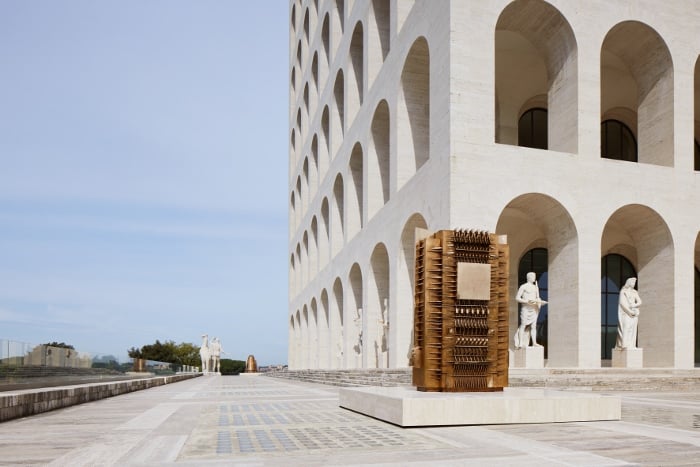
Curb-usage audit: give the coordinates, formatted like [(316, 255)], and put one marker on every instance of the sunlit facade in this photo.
[(571, 128)]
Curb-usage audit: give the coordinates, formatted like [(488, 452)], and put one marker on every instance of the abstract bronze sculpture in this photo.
[(251, 366), (461, 312)]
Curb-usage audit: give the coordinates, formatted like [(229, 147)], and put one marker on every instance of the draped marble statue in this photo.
[(204, 353), (530, 303), (628, 315)]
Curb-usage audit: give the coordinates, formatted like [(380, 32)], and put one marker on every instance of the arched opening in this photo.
[(313, 335), (299, 269), (378, 161), (299, 61), (337, 216), (297, 341), (640, 235), (338, 24), (378, 309), (355, 193), (617, 141), (313, 249), (306, 105), (535, 220), (378, 37), (532, 129), (636, 76), (536, 260), (325, 42), (325, 158), (291, 345), (292, 214), (305, 259), (293, 144), (323, 244), (314, 84), (615, 269), (305, 186), (356, 77), (401, 315), (337, 342), (293, 18), (299, 200), (306, 26), (536, 62), (324, 359), (356, 336), (413, 114), (305, 354), (338, 124), (292, 274), (314, 167)]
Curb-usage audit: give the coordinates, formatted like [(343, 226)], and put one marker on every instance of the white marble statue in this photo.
[(204, 353), (628, 315), (216, 351), (530, 303)]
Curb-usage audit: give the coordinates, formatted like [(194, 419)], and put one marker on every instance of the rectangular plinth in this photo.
[(404, 406), (528, 357), (627, 358)]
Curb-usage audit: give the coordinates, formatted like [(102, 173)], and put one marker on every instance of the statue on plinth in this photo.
[(530, 303), (216, 351), (204, 353), (628, 315)]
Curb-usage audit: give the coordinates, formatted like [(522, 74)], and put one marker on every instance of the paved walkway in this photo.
[(256, 420)]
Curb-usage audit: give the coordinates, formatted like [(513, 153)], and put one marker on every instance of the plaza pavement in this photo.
[(261, 421)]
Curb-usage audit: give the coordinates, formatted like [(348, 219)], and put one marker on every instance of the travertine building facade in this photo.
[(570, 127)]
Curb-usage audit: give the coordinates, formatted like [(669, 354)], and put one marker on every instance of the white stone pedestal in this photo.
[(528, 357), (627, 358), (405, 406)]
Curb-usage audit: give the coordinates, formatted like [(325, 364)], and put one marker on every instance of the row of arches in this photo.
[(374, 45), (536, 86), (352, 323), (369, 178), (581, 320)]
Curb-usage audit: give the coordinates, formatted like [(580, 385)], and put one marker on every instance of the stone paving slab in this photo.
[(237, 421)]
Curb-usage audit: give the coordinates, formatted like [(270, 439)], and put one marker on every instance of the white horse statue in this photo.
[(204, 353)]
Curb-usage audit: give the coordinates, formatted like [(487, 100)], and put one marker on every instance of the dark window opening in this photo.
[(617, 141), (532, 129)]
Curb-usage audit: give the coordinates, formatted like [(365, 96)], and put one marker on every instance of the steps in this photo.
[(598, 379)]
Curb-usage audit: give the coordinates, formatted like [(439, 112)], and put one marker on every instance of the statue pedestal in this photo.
[(627, 358), (528, 357)]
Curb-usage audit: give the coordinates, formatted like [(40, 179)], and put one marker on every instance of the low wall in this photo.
[(34, 401)]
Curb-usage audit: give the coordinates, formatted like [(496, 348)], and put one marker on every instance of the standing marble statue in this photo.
[(216, 352), (530, 303), (204, 353), (628, 315)]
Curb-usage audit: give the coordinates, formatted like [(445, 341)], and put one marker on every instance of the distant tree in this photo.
[(188, 354), (232, 367), (184, 353)]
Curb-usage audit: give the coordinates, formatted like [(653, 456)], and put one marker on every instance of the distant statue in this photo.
[(204, 353), (628, 315), (216, 351), (530, 303), (358, 325)]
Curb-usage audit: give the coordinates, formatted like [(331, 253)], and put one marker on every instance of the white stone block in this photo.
[(405, 406), (627, 358), (528, 357)]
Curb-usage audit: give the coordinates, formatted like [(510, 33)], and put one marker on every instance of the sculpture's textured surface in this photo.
[(251, 366), (460, 342)]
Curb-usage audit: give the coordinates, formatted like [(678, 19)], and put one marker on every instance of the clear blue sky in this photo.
[(143, 173)]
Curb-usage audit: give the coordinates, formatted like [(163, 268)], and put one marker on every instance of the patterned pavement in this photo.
[(260, 421)]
